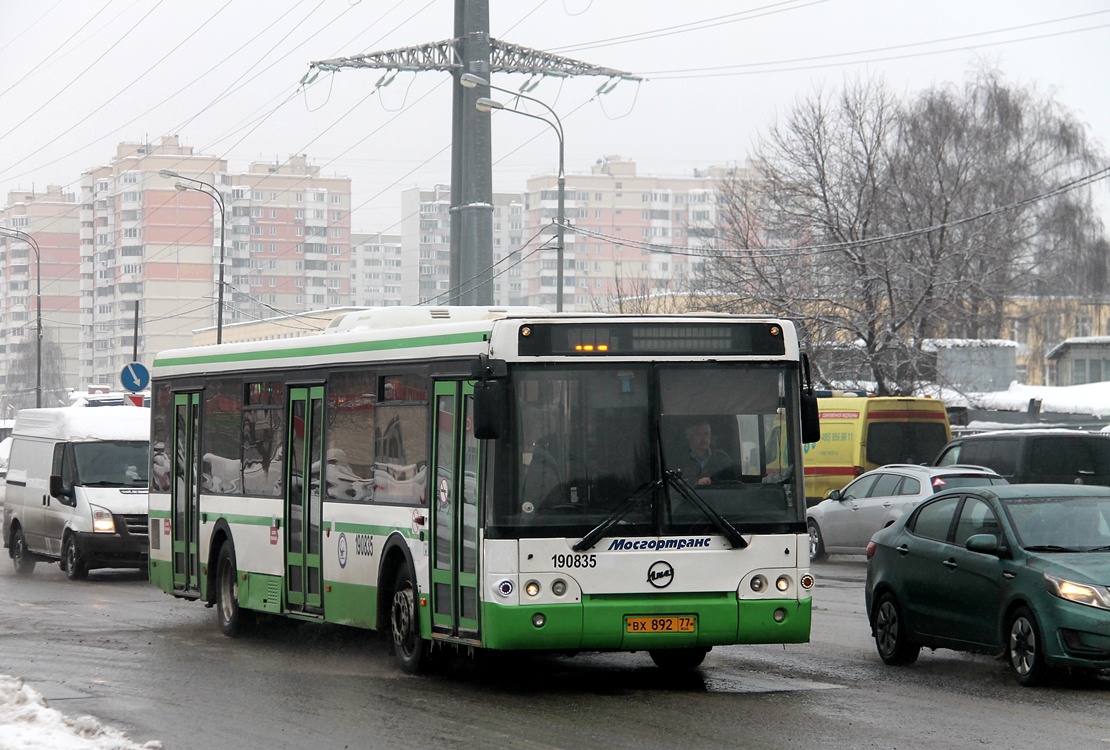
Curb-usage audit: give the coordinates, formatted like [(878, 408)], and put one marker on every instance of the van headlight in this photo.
[(1081, 593), (103, 523)]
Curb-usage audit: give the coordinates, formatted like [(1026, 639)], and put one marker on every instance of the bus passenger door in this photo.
[(185, 492), (454, 510), (303, 589)]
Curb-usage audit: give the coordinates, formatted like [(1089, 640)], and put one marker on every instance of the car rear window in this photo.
[(904, 442), (1055, 456)]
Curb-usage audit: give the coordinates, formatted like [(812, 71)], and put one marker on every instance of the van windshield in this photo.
[(112, 463)]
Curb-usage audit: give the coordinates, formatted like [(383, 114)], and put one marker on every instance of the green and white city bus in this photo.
[(499, 479)]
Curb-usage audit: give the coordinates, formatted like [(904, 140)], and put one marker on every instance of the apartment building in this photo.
[(376, 270), (155, 241), (425, 262), (42, 270), (631, 235)]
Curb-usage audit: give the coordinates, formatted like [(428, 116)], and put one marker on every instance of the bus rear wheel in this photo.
[(678, 659), (413, 652)]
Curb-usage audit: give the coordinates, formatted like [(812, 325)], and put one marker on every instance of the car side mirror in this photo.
[(60, 491), (984, 543), (835, 496)]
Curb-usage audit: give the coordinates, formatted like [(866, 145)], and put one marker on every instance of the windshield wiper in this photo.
[(618, 513), (673, 478), (1051, 548)]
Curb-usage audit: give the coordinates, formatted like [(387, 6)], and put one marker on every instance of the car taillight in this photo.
[(871, 547)]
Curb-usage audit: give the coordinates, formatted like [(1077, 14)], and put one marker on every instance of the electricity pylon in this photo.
[(471, 51)]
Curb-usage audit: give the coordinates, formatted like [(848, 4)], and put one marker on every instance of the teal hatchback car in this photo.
[(1022, 570)]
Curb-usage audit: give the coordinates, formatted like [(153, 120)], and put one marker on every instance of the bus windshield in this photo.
[(588, 439)]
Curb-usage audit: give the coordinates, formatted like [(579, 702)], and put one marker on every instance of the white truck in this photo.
[(77, 489)]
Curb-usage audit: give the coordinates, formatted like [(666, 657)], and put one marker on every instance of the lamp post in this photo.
[(214, 195), (485, 104), (20, 235)]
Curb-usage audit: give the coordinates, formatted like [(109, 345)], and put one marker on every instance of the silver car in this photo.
[(844, 522)]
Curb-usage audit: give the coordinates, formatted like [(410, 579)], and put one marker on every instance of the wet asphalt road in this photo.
[(140, 661)]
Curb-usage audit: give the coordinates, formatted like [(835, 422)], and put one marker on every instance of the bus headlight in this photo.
[(782, 583), (532, 588), (103, 523), (559, 587), (758, 583), (807, 582), (505, 588)]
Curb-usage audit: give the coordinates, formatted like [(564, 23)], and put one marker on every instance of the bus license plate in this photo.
[(662, 624)]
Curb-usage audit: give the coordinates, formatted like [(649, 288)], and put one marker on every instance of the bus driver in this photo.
[(704, 463)]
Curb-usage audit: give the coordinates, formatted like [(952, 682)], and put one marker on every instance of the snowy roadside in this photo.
[(27, 723)]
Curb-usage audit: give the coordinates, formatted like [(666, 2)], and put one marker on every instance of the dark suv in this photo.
[(1036, 456)]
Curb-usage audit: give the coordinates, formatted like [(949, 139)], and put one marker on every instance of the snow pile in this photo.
[(27, 723), (1092, 398)]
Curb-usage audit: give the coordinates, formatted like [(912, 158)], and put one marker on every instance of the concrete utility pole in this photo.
[(471, 51)]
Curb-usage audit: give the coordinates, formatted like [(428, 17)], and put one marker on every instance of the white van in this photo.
[(77, 488)]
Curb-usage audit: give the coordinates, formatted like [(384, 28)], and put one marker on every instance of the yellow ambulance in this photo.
[(860, 433)]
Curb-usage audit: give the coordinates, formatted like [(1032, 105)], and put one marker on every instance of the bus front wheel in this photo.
[(412, 651), (232, 620)]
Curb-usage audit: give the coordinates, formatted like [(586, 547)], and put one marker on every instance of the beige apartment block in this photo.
[(154, 242), (631, 235)]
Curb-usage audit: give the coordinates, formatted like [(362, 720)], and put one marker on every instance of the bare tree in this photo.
[(879, 225)]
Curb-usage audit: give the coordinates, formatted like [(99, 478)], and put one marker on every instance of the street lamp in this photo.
[(485, 104), (214, 195), (20, 235)]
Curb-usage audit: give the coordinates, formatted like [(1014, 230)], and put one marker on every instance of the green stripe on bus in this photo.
[(326, 349), (366, 528)]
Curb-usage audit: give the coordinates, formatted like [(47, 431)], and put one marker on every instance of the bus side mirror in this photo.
[(811, 419), (811, 415), (489, 408)]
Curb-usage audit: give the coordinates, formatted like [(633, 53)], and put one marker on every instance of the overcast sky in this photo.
[(80, 76)]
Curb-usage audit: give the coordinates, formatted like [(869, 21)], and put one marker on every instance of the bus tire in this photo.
[(413, 652), (678, 659), (22, 558), (230, 617), (72, 564)]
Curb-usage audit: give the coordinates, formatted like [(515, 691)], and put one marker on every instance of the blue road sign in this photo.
[(135, 377)]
